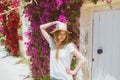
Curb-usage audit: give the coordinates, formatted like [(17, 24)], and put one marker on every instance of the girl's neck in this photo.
[(59, 43)]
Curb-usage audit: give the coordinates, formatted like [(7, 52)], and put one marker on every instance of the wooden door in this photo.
[(106, 45)]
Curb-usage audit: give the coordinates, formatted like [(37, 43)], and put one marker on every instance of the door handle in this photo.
[(93, 59), (99, 51)]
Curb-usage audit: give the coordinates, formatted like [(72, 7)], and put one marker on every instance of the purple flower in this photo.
[(62, 18), (59, 2), (41, 4), (67, 1), (27, 34), (44, 49), (35, 51), (46, 12)]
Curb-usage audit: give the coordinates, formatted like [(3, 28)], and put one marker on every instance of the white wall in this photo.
[(23, 29)]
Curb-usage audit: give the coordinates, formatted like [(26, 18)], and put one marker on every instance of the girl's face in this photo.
[(62, 36)]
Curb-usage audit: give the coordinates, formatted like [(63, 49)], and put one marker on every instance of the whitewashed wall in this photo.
[(22, 30)]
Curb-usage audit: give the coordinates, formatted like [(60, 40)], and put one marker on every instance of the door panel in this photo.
[(106, 38)]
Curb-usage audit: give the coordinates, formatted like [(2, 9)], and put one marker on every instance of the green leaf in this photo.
[(2, 38), (95, 1)]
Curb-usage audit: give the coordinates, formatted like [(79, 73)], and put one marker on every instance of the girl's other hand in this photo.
[(71, 72)]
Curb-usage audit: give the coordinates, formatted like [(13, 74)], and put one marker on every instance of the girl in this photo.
[(61, 52)]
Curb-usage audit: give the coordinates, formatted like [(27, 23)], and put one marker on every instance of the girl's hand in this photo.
[(71, 72), (57, 22)]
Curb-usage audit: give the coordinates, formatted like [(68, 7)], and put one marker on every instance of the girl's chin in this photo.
[(61, 40)]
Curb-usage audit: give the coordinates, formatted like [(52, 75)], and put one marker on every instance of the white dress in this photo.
[(58, 67)]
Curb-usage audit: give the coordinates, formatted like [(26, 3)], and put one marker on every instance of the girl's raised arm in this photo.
[(43, 28)]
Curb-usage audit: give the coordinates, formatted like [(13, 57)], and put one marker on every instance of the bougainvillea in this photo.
[(10, 23), (95, 1)]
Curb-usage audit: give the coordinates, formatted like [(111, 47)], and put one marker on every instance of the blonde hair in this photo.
[(55, 37)]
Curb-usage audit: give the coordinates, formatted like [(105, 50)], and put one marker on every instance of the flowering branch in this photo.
[(5, 11)]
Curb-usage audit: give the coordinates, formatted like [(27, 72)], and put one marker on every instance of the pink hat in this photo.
[(60, 26)]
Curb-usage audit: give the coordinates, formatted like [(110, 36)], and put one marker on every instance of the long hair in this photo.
[(65, 42)]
